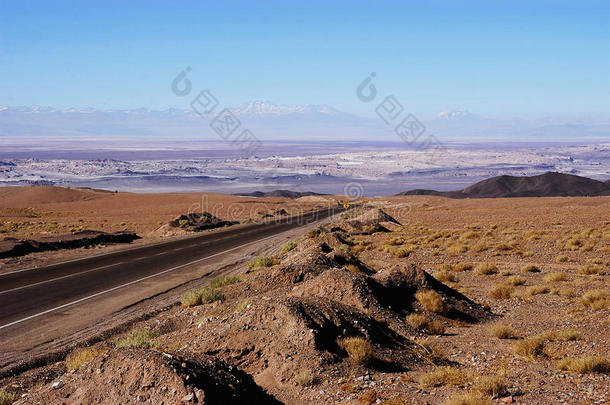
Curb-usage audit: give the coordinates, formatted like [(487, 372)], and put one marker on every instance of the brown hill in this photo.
[(545, 185)]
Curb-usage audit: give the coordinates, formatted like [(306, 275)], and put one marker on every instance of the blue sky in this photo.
[(514, 58)]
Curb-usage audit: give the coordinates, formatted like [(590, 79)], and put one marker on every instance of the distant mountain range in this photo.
[(544, 185), (280, 193), (282, 122)]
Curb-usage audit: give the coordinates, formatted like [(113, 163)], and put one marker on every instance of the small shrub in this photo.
[(564, 292), (288, 246), (589, 269), (358, 349), (595, 299), (516, 280), (585, 365), (138, 338), (462, 267), (224, 280), (432, 349), (467, 399), (417, 321), (502, 331), (79, 356), (530, 347), (530, 268), (501, 291), (305, 378), (394, 401), (562, 259), (568, 335), (443, 375), (536, 290), (431, 301), (260, 262), (435, 328), (209, 295), (445, 276), (191, 298), (492, 385), (7, 398), (457, 249), (485, 269), (555, 276)]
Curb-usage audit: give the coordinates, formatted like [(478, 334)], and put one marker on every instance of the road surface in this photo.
[(32, 293)]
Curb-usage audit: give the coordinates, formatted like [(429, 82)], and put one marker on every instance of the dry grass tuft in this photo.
[(585, 365), (79, 356), (139, 338), (431, 301), (432, 349), (305, 378), (358, 349), (260, 262), (485, 269), (445, 276), (443, 376), (536, 290), (562, 259), (467, 399), (564, 292), (224, 281), (595, 299), (501, 291), (555, 276), (530, 268), (516, 280), (422, 322), (492, 385), (502, 331), (461, 266), (589, 269), (7, 398), (530, 347)]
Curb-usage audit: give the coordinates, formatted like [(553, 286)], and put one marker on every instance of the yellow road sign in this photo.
[(346, 205)]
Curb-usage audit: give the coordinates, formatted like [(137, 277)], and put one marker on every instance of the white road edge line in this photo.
[(134, 282)]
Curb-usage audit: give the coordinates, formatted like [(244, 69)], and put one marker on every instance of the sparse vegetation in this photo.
[(501, 291), (530, 347), (138, 338), (467, 399), (562, 259), (305, 378), (516, 280), (431, 301), (202, 296), (358, 349), (530, 268), (589, 269), (288, 246), (585, 365), (224, 280), (536, 290), (595, 299), (82, 355), (485, 269), (555, 276), (443, 375), (502, 331), (492, 385), (7, 398), (421, 322), (260, 262), (445, 276)]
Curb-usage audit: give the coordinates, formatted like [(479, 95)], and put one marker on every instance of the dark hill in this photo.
[(544, 185), (279, 193)]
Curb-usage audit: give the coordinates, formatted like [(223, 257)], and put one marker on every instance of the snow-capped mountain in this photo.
[(266, 107)]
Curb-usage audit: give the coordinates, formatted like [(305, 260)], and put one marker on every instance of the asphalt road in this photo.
[(28, 294)]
